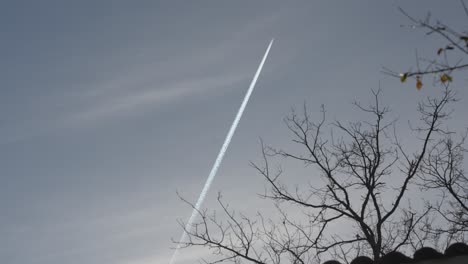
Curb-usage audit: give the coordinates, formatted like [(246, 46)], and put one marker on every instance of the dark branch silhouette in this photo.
[(442, 65), (351, 170)]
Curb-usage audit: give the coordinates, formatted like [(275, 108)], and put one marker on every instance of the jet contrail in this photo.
[(213, 171)]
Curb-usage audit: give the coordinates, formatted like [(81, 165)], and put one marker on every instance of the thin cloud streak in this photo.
[(206, 59), (126, 104), (138, 86)]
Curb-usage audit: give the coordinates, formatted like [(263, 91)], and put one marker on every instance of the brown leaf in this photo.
[(439, 51), (418, 83)]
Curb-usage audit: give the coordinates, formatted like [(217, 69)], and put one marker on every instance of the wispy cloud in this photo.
[(118, 104), (204, 69), (215, 67)]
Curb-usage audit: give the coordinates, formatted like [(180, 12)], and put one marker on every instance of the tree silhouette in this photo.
[(442, 170), (361, 178), (361, 175)]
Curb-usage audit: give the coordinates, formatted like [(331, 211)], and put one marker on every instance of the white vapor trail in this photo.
[(217, 163)]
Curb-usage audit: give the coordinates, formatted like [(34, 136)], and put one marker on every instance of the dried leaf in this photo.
[(418, 83), (439, 51), (449, 47), (443, 78)]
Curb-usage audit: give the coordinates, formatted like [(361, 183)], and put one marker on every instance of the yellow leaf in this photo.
[(403, 77), (445, 77), (418, 83)]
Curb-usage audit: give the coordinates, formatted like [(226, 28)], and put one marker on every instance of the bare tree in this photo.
[(448, 58), (442, 170), (360, 176)]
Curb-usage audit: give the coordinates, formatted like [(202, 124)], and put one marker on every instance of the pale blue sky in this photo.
[(108, 107)]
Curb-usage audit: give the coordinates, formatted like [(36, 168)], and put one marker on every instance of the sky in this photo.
[(107, 108)]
